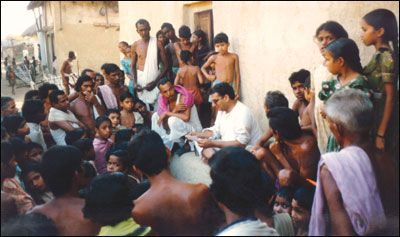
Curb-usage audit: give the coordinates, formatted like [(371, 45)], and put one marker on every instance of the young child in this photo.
[(301, 209), (16, 126), (115, 116), (307, 122), (226, 64), (117, 161), (379, 28), (35, 151), (342, 59), (127, 116), (297, 80), (102, 142), (190, 77), (12, 78), (283, 200), (184, 44)]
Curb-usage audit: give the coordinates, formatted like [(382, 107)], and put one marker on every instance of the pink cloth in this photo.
[(23, 200), (108, 97), (100, 150), (188, 100), (355, 178)]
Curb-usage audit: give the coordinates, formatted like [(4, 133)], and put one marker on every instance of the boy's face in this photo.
[(298, 90), (333, 65), (369, 35), (127, 104), (141, 108), (115, 164), (35, 181), (282, 205), (185, 41), (35, 154), (222, 47), (23, 129), (300, 215), (104, 130), (115, 119), (63, 103)]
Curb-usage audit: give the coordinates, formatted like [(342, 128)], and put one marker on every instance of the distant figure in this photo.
[(66, 71), (297, 80)]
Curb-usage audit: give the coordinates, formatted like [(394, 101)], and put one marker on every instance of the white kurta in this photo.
[(36, 135)]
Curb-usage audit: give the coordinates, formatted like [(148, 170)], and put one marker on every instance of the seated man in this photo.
[(359, 185), (61, 119), (293, 149), (169, 207), (235, 124), (82, 106), (176, 116), (63, 173), (239, 189)]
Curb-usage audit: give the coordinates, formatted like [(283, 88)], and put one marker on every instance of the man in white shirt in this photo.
[(33, 112), (235, 124)]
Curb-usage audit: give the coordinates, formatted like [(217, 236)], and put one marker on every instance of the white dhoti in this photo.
[(177, 127), (149, 74)]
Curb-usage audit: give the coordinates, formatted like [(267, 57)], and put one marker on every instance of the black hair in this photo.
[(85, 71), (186, 55), (334, 28), (59, 164), (4, 102), (305, 196), (54, 96), (33, 145), (137, 100), (74, 135), (71, 54), (184, 32), (30, 94), (32, 224), (221, 38), (307, 83), (30, 166), (237, 180), (125, 95), (109, 68), (202, 35), (285, 121), (89, 171), (108, 199), (168, 25), (164, 81), (383, 18), (159, 33), (122, 155), (101, 119), (44, 90), (112, 111), (147, 152), (124, 135), (99, 75), (275, 99), (20, 147), (7, 152), (139, 127), (299, 76), (4, 132), (31, 108), (286, 192), (223, 89), (81, 80), (348, 50), (83, 144), (12, 122), (142, 22), (124, 43)]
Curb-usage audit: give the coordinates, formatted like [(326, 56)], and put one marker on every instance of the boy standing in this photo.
[(184, 43), (127, 117), (190, 77), (297, 80), (226, 64)]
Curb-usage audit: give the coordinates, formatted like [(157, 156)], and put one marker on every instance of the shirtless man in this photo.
[(62, 171), (184, 43), (307, 122), (297, 80), (190, 77), (139, 57), (173, 62), (293, 149), (82, 106), (170, 207), (226, 64), (66, 71)]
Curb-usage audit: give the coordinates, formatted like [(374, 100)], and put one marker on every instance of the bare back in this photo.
[(188, 76), (68, 216), (174, 209)]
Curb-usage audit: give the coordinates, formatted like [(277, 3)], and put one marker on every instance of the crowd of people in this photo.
[(11, 77), (93, 158)]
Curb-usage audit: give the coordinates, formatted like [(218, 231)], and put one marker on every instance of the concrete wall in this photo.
[(93, 45), (272, 39)]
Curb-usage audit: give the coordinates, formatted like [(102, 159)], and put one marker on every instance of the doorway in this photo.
[(204, 21)]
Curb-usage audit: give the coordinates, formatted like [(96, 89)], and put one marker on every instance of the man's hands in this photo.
[(89, 97), (205, 143)]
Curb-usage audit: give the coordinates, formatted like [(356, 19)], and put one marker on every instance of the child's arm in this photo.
[(387, 113), (206, 65), (178, 50), (199, 75), (237, 75), (178, 77)]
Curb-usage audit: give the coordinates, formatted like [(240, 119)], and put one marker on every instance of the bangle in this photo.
[(380, 136)]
